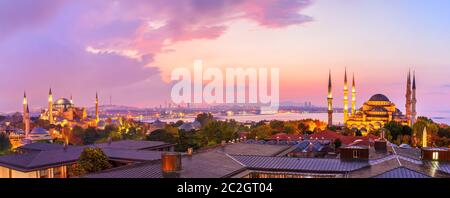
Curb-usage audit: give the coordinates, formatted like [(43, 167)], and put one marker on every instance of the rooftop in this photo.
[(43, 155), (211, 163), (133, 145), (317, 165), (379, 97), (402, 172)]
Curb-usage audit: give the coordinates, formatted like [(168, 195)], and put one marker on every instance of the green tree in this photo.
[(5, 144), (162, 135), (288, 129), (261, 132), (302, 127), (337, 143), (92, 160), (277, 125), (204, 118)]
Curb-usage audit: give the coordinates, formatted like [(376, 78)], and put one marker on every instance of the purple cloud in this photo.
[(87, 45)]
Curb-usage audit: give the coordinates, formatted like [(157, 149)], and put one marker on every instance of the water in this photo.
[(337, 117), (439, 117)]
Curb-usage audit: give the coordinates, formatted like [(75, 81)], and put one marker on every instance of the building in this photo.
[(377, 111), (252, 159), (42, 160), (63, 111)]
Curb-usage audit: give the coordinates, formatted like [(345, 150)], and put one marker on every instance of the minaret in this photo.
[(71, 99), (97, 117), (424, 138), (345, 97), (353, 96), (414, 101), (408, 98), (50, 106), (25, 104), (27, 121), (330, 101)]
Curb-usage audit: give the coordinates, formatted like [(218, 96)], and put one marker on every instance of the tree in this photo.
[(288, 129), (277, 125), (5, 144), (261, 132), (216, 131), (92, 160), (90, 136), (302, 127), (161, 135), (337, 143), (204, 118)]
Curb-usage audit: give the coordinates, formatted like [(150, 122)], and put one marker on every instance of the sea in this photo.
[(338, 118)]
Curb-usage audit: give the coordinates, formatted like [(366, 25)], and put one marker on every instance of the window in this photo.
[(356, 154), (435, 155), (43, 174), (57, 172)]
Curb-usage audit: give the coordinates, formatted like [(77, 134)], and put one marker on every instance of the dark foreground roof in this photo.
[(49, 158), (39, 146), (136, 171), (212, 163), (300, 164), (134, 145), (402, 172)]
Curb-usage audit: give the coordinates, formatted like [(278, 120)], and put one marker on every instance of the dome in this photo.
[(39, 131), (379, 97), (63, 102), (379, 109)]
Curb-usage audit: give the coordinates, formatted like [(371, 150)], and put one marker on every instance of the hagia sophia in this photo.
[(61, 113), (377, 111)]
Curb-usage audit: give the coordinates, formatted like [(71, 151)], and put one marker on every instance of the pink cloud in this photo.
[(44, 43)]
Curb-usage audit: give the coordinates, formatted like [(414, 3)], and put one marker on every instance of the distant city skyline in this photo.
[(127, 49)]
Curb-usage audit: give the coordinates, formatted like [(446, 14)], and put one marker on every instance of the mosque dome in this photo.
[(63, 101), (379, 97), (39, 131)]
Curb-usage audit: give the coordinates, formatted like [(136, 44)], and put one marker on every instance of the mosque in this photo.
[(62, 113), (377, 111)]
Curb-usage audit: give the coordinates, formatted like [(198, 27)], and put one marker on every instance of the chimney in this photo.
[(65, 147), (190, 151), (109, 140), (171, 164)]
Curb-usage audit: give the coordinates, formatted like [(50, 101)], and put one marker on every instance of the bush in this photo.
[(92, 160)]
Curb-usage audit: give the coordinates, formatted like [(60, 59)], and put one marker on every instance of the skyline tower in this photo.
[(408, 98), (50, 106), (330, 101), (345, 97), (414, 101), (353, 96)]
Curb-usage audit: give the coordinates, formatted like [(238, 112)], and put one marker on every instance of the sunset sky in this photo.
[(127, 48)]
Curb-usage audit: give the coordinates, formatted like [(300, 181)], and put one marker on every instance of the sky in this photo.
[(127, 49)]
